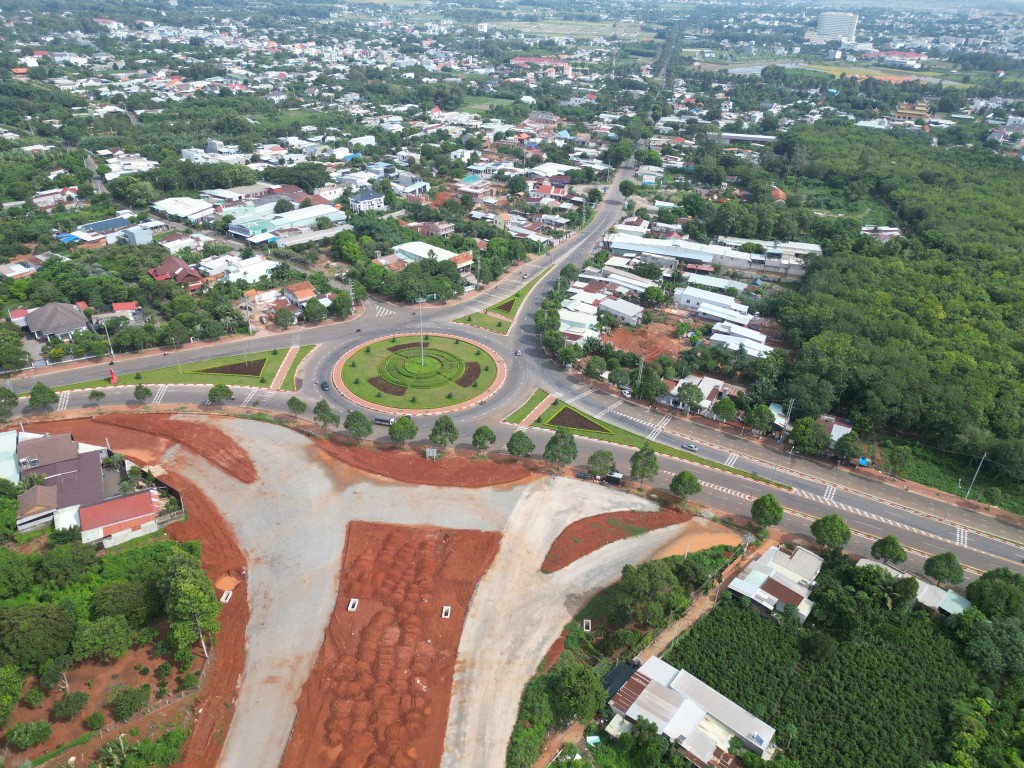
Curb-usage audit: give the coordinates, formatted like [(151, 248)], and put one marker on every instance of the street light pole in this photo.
[(109, 345), (976, 471), (422, 361)]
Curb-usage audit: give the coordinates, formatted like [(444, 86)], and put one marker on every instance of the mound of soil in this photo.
[(379, 694), (471, 374), (573, 419), (453, 469), (251, 368), (386, 386), (410, 345), (590, 534), (505, 306)]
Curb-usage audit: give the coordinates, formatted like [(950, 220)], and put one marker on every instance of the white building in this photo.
[(838, 26), (187, 208), (694, 298), (692, 714), (626, 311), (776, 580)]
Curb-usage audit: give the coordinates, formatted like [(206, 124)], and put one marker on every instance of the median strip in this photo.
[(560, 415)]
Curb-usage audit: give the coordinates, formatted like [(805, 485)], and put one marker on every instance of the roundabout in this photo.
[(404, 373)]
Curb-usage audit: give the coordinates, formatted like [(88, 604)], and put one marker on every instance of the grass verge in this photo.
[(612, 434), (198, 373), (289, 380), (498, 317), (526, 408), (388, 372)]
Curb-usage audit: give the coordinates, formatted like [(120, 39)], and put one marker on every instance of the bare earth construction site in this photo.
[(454, 612)]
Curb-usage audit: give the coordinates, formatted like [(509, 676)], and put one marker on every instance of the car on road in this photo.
[(690, 447), (325, 386), (626, 392)]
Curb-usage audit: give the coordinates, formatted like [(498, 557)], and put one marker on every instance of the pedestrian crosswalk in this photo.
[(830, 492), (62, 400), (382, 311), (731, 459), (961, 536), (657, 428), (158, 396), (579, 396), (248, 398)]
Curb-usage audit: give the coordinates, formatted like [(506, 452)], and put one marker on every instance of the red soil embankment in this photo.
[(379, 694)]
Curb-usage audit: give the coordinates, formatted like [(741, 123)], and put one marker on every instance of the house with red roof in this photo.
[(174, 268)]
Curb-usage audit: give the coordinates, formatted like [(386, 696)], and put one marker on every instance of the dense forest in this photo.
[(923, 335)]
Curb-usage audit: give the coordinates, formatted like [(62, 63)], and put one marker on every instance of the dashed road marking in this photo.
[(609, 409), (729, 491)]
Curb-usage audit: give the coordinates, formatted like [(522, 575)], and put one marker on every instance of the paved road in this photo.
[(926, 525)]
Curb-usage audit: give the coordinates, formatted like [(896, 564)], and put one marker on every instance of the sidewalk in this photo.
[(282, 372)]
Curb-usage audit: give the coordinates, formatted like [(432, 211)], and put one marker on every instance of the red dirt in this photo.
[(380, 692), (555, 650), (585, 536), (386, 386), (573, 419), (252, 368), (95, 680), (410, 345), (453, 469), (652, 341), (132, 435)]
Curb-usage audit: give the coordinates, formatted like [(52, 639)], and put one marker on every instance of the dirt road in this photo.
[(518, 612)]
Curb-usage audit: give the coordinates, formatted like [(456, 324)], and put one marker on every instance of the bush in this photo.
[(189, 681), (163, 671), (33, 698), (27, 735), (95, 721), (69, 706), (126, 701)]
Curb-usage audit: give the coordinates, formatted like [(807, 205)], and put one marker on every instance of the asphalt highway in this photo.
[(924, 525)]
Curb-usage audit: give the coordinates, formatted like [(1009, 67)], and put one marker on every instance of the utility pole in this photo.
[(789, 412), (976, 471), (420, 302), (109, 345)]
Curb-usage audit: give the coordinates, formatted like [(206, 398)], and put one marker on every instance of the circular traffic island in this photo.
[(398, 373)]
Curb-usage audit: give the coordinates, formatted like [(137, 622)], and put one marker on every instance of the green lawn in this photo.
[(484, 103), (389, 372), (199, 373), (289, 379), (499, 316), (526, 408), (612, 434)]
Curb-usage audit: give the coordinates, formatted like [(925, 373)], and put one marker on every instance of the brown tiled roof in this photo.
[(630, 692)]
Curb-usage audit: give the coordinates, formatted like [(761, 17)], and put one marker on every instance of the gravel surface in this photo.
[(291, 524), (518, 612)]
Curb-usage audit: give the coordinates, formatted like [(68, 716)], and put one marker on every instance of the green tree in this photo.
[(483, 438), (601, 463), (595, 367), (341, 305), (26, 735), (889, 550), (766, 511), (283, 206), (759, 418), (108, 639), (13, 356), (284, 318), (520, 444), (357, 425), (689, 396), (8, 402), (296, 406), (69, 564), (809, 437), (561, 448), (126, 701), (96, 395), (516, 184), (314, 311), (444, 432), (137, 601), (142, 392), (403, 430), (69, 705), (724, 408), (944, 568), (41, 397), (577, 690), (191, 604), (11, 681), (998, 593), (643, 465), (831, 532), (218, 394), (684, 485), (324, 416), (847, 446)]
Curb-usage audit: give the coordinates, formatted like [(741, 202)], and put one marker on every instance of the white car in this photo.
[(627, 392)]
